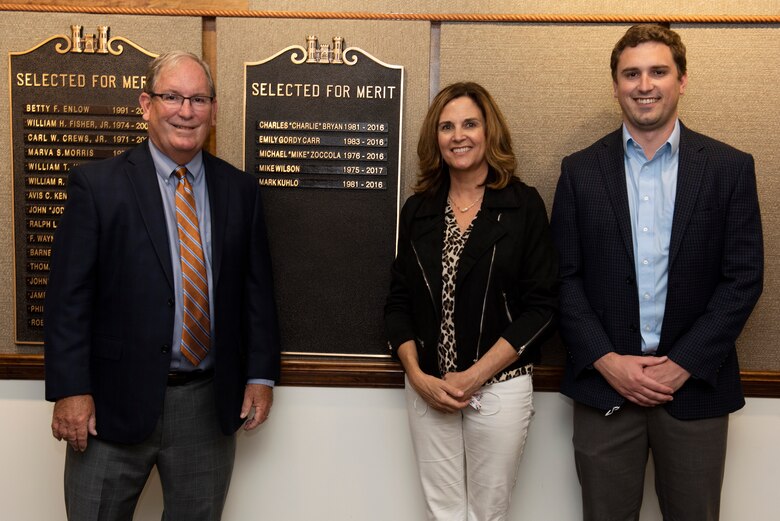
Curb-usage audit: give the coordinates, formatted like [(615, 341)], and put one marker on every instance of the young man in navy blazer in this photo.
[(661, 250), (129, 393)]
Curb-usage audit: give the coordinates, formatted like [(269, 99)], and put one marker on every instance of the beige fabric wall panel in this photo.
[(553, 83), (23, 31), (733, 95), (593, 7), (556, 95), (397, 43)]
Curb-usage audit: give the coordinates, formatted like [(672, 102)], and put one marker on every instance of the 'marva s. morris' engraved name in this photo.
[(59, 152)]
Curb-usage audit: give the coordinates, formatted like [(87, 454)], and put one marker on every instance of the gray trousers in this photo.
[(193, 457), (611, 455)]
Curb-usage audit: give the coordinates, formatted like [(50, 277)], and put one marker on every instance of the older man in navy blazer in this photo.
[(147, 365), (661, 249)]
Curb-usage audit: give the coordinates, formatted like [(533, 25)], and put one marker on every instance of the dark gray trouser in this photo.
[(611, 455), (193, 457)]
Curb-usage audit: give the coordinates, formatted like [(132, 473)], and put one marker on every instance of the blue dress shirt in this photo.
[(167, 182), (652, 188)]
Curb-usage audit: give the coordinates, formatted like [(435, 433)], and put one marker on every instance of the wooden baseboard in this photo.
[(348, 372)]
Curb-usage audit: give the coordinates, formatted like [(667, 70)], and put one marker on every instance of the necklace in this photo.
[(465, 208)]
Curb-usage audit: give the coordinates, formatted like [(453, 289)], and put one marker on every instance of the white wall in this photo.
[(344, 454)]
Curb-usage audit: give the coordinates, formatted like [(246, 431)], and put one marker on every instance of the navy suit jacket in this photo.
[(109, 311), (715, 271)]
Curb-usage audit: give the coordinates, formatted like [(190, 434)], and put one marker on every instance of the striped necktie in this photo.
[(196, 328)]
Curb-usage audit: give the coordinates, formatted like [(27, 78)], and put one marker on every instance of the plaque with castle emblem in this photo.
[(322, 133), (74, 98)]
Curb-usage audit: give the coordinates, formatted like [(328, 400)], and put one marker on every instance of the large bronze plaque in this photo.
[(73, 99), (322, 134)]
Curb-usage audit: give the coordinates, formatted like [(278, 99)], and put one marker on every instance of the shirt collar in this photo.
[(164, 165), (673, 141)]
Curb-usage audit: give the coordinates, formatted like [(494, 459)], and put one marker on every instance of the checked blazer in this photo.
[(715, 271)]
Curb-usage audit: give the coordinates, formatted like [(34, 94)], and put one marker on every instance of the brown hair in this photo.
[(498, 149), (171, 59), (650, 33)]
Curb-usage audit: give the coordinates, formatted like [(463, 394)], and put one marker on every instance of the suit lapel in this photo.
[(611, 157), (689, 177), (218, 200), (143, 179)]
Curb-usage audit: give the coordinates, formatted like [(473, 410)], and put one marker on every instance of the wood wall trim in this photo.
[(320, 372), (431, 17)]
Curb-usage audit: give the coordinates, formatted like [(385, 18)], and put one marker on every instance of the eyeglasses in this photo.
[(177, 100)]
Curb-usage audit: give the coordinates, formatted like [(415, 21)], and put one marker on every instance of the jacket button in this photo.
[(633, 328), (629, 280), (170, 302), (165, 349)]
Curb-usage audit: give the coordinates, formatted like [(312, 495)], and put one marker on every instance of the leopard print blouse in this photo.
[(454, 242)]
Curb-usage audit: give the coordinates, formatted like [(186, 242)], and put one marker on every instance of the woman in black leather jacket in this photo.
[(474, 289)]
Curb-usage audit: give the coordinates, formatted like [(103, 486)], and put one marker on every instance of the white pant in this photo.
[(468, 460)]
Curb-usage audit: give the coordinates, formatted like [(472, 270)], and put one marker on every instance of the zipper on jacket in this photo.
[(430, 292), (506, 307), (484, 299), (425, 278), (536, 335)]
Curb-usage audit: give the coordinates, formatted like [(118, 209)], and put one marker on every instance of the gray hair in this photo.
[(171, 59)]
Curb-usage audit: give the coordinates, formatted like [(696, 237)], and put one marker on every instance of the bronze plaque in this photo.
[(73, 99), (322, 133)]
